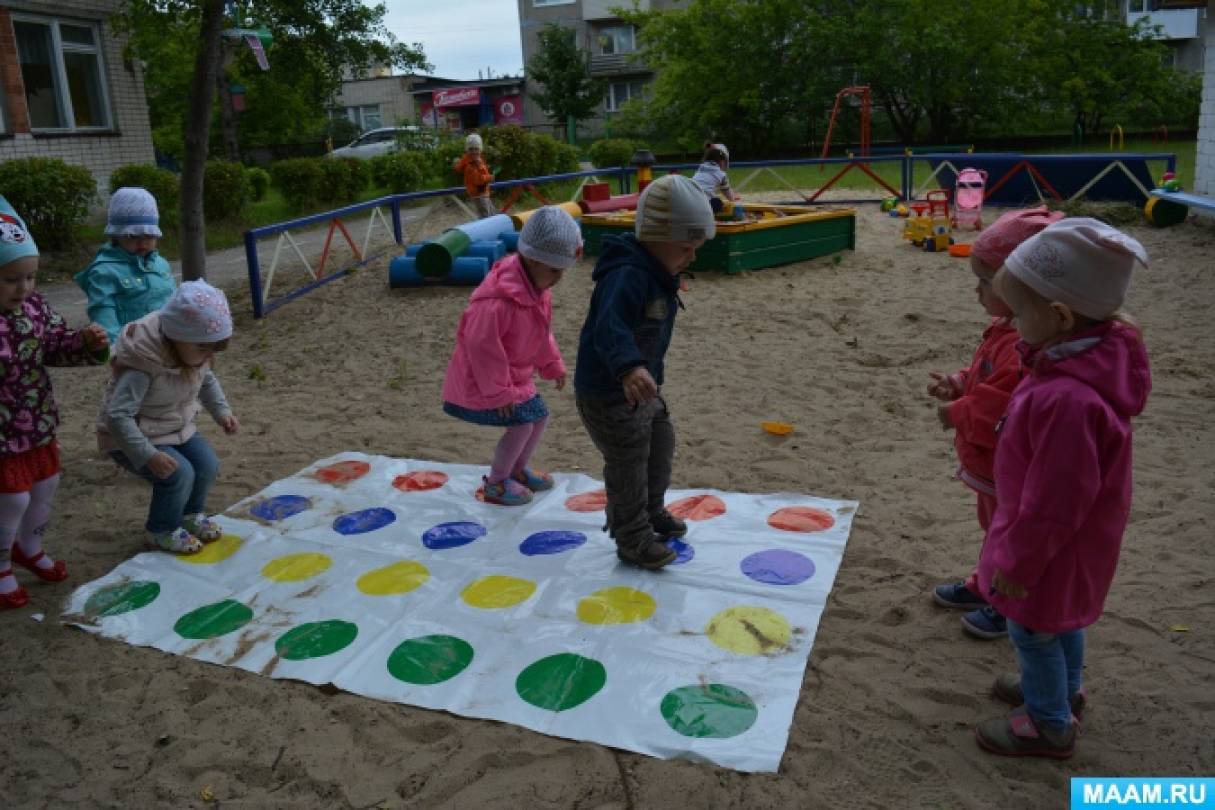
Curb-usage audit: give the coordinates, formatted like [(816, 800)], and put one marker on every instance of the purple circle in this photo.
[(778, 567), (452, 535), (363, 521), (551, 542), (280, 507), (683, 550)]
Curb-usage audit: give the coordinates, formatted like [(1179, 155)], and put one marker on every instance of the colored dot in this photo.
[(698, 507), (801, 519), (280, 507), (498, 591), (212, 553), (429, 659), (778, 567), (709, 710), (683, 550), (296, 567), (551, 542), (216, 619), (587, 502), (617, 605), (400, 577), (420, 481), (315, 639), (451, 535), (561, 681), (122, 598), (364, 520), (342, 472), (748, 630)]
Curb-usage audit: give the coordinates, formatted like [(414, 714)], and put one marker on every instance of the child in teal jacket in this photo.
[(127, 279)]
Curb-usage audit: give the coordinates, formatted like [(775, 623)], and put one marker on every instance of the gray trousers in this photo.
[(484, 207), (638, 444)]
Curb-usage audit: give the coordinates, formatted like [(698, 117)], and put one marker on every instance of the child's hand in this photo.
[(507, 411), (559, 382), (230, 424), (162, 465), (940, 387), (95, 338), (639, 386), (1002, 585), (944, 417)]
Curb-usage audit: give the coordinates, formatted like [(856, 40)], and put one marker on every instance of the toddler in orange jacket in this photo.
[(476, 175)]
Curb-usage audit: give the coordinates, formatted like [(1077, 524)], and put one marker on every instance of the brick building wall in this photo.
[(389, 93), (1204, 169)]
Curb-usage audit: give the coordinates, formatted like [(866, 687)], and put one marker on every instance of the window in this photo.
[(1139, 6), (620, 92), (364, 117), (62, 71), (541, 3), (616, 39)]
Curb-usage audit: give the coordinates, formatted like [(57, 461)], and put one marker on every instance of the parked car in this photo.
[(376, 142)]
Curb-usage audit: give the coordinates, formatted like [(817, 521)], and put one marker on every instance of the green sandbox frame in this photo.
[(792, 234)]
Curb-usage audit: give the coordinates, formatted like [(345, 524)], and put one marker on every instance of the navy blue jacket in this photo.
[(630, 321)]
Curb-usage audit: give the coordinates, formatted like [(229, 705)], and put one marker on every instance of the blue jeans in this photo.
[(1051, 671), (185, 491)]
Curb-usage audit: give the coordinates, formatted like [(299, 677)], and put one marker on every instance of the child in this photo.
[(620, 363), (505, 335), (32, 337), (711, 175), (974, 400), (476, 176), (127, 278), (161, 371), (1063, 471)]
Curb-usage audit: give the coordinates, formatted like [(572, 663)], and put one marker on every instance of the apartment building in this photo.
[(1182, 26)]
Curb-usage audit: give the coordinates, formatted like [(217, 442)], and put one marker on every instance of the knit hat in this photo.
[(16, 242), (722, 148), (674, 209), (473, 141), (133, 213), (1080, 262), (1012, 228), (196, 313), (551, 236)]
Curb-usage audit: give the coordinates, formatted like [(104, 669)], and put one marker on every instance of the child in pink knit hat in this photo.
[(973, 400)]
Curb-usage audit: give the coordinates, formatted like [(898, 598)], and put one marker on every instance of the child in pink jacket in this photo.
[(1063, 472), (505, 336)]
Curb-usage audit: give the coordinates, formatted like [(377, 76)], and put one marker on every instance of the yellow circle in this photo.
[(400, 577), (296, 567), (498, 591), (616, 606), (749, 630), (220, 550)]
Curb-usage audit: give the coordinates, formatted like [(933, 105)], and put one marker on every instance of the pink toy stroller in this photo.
[(968, 198)]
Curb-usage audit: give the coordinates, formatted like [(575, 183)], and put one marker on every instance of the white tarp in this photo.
[(388, 578)]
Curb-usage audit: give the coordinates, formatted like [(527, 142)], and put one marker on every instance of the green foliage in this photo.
[(612, 152), (226, 190), (515, 153), (563, 71), (161, 183), (259, 182), (400, 172), (442, 157), (52, 196), (298, 180), (342, 179)]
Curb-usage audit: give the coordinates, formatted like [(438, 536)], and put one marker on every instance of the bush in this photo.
[(259, 182), (52, 197), (440, 159), (612, 152), (298, 180), (517, 153), (342, 179), (226, 190), (160, 183), (401, 172)]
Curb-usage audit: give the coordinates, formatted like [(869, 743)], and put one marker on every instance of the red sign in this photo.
[(508, 110), (460, 97)]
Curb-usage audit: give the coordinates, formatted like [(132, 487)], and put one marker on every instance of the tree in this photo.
[(564, 71)]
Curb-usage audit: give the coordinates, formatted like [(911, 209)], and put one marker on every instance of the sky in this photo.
[(460, 37)]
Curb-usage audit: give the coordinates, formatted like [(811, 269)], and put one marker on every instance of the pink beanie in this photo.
[(1011, 229)]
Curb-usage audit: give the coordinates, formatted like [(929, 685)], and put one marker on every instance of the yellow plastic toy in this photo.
[(777, 428), (917, 229), (938, 239)]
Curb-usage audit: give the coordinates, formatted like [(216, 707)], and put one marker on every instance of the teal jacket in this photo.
[(122, 287)]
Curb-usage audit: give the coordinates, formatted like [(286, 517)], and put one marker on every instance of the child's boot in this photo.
[(507, 492), (534, 480), (667, 525), (1019, 736), (1008, 689), (178, 541), (202, 527), (651, 555), (985, 623)]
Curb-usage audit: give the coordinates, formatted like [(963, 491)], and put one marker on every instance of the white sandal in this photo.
[(202, 527), (178, 541)]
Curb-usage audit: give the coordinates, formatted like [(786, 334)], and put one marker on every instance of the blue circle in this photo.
[(452, 535), (778, 567), (363, 521), (551, 542), (684, 551), (280, 507)]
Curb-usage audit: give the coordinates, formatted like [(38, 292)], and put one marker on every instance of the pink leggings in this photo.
[(515, 449)]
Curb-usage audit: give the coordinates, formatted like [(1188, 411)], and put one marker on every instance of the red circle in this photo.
[(343, 472), (587, 502), (697, 507), (801, 519), (420, 481)]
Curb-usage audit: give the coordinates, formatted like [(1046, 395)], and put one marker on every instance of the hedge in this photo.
[(53, 197), (160, 183)]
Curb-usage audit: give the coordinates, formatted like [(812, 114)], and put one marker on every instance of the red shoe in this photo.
[(17, 599), (56, 573)]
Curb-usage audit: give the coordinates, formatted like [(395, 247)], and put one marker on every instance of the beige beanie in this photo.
[(674, 209), (1080, 262), (473, 141)]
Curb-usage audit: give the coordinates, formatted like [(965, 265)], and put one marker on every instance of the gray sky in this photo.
[(460, 37)]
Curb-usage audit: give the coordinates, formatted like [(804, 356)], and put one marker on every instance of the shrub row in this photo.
[(52, 197)]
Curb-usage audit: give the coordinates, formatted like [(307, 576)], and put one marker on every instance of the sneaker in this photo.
[(507, 492), (652, 555), (985, 623), (202, 527), (957, 595), (178, 541), (1019, 736), (667, 525), (1008, 689), (534, 480)]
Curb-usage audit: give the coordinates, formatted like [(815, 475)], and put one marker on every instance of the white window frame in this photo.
[(59, 71), (543, 3), (606, 36), (613, 104)]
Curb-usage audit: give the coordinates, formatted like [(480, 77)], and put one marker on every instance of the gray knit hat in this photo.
[(551, 236), (133, 212), (674, 209)]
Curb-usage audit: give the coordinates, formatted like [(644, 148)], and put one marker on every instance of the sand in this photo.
[(839, 347)]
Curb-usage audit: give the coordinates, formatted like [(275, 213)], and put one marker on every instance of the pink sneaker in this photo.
[(507, 492)]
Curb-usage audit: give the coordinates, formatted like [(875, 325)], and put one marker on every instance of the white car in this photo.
[(376, 142)]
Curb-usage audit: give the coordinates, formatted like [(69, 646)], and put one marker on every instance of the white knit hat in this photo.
[(473, 141), (674, 209), (551, 236), (133, 212), (1080, 262), (196, 313)]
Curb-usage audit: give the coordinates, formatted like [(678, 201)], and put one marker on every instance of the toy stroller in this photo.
[(968, 198)]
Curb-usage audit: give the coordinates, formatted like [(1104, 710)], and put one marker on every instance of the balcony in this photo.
[(1174, 24), (616, 64), (602, 9)]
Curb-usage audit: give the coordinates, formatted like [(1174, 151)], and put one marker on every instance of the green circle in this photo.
[(217, 619), (429, 659), (561, 681), (122, 598), (315, 639), (709, 710)]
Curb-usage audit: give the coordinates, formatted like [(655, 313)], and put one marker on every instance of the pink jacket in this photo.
[(505, 336), (1063, 474), (983, 392)]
